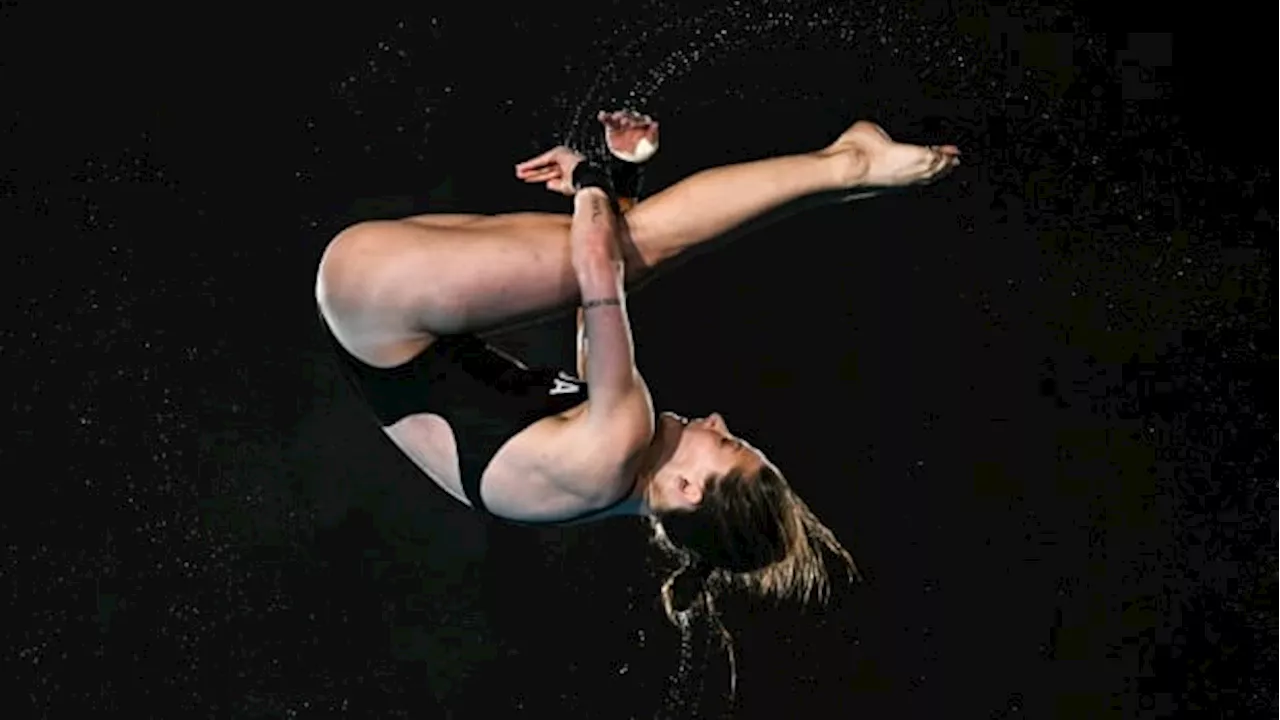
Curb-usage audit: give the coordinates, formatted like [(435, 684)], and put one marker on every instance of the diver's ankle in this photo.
[(845, 165)]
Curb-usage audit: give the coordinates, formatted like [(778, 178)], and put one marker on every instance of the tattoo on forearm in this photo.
[(600, 302)]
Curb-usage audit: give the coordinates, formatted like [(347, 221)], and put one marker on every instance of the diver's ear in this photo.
[(690, 490)]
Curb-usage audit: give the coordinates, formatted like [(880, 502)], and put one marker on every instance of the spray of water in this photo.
[(682, 696), (644, 62)]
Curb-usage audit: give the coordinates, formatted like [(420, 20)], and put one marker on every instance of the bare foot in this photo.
[(878, 161)]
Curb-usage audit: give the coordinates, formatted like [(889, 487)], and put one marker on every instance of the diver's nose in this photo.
[(716, 421)]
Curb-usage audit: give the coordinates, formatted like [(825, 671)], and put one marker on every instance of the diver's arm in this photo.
[(610, 366)]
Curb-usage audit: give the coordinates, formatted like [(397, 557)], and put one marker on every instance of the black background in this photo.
[(1035, 401)]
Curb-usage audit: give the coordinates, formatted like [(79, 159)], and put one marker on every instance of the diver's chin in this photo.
[(677, 418)]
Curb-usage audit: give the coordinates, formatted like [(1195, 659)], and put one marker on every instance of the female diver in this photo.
[(404, 299)]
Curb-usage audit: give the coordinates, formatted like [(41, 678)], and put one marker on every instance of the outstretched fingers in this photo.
[(538, 173), (543, 175), (547, 158)]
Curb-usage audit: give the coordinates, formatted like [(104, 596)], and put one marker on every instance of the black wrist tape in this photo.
[(587, 174)]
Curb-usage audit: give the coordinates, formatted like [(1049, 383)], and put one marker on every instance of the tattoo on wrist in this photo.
[(600, 302)]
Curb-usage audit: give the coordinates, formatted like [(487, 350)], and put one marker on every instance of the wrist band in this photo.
[(588, 304), (587, 174)]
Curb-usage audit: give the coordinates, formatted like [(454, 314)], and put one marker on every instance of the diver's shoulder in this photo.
[(595, 459)]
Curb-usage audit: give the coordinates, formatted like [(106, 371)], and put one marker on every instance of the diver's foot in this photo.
[(874, 160)]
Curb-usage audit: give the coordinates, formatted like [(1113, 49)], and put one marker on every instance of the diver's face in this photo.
[(705, 449)]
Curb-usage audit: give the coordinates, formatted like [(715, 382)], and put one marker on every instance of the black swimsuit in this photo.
[(485, 395)]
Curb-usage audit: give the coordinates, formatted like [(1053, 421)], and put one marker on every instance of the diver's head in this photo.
[(699, 454), (719, 499), (728, 511)]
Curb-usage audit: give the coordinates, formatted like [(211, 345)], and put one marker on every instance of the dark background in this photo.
[(1035, 401)]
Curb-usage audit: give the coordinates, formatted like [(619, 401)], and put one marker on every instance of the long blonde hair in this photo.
[(749, 532)]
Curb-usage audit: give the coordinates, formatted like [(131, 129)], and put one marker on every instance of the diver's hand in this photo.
[(553, 167), (631, 136)]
